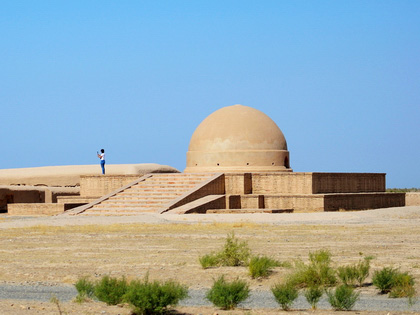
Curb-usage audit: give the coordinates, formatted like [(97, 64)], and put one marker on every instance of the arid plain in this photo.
[(59, 250)]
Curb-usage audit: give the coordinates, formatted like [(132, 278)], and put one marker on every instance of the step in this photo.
[(244, 211), (138, 209)]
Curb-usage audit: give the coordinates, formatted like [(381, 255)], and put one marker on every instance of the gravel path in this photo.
[(258, 299)]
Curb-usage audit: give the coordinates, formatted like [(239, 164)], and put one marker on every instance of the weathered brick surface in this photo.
[(363, 201), (412, 199), (347, 182), (238, 183), (299, 203), (281, 183), (35, 209), (99, 185)]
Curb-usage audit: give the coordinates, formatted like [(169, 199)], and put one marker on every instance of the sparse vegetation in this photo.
[(318, 273), (384, 279), (234, 253), (227, 295), (261, 266), (111, 290), (285, 294), (398, 284), (343, 298), (403, 190), (313, 295), (85, 289), (354, 274), (154, 297)]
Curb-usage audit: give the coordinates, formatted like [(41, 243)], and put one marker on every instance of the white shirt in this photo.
[(102, 156)]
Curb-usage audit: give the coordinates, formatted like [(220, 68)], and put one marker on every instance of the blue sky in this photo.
[(340, 78)]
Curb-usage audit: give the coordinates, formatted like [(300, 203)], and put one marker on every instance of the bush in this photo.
[(384, 279), (313, 295), (350, 275), (261, 266), (402, 286), (343, 298), (347, 274), (363, 269), (227, 295), (111, 290), (85, 289), (285, 294), (209, 260), (318, 273), (234, 253), (154, 297)]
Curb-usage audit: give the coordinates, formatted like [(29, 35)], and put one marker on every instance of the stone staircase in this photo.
[(151, 193)]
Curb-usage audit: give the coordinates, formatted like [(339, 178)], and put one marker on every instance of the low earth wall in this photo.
[(11, 194), (363, 201), (412, 199), (32, 209), (299, 203)]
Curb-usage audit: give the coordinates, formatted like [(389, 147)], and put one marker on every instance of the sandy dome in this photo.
[(237, 139)]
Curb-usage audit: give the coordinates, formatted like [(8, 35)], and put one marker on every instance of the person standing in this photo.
[(102, 157)]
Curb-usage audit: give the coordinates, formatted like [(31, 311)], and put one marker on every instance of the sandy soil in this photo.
[(61, 249)]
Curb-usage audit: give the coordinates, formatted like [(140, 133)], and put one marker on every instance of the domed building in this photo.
[(237, 139), (237, 162)]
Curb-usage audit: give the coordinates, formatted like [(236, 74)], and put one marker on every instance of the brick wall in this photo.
[(238, 183), (35, 209), (281, 183), (100, 185), (347, 182), (363, 201)]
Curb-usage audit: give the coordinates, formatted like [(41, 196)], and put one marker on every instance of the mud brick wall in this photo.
[(100, 185), (35, 208), (363, 201), (299, 203), (412, 199), (20, 195), (281, 183), (238, 183), (347, 182)]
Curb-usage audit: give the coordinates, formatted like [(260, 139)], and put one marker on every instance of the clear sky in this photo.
[(340, 78)]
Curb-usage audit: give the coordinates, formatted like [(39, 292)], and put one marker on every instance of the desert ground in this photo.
[(61, 249)]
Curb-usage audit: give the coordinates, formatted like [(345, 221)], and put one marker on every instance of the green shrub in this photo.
[(363, 270), (354, 274), (322, 256), (313, 295), (85, 289), (343, 298), (227, 295), (234, 253), (384, 279), (402, 286), (261, 266), (347, 274), (318, 273), (154, 297), (111, 290), (209, 260), (285, 294)]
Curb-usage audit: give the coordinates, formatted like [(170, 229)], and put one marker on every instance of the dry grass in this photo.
[(63, 254)]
